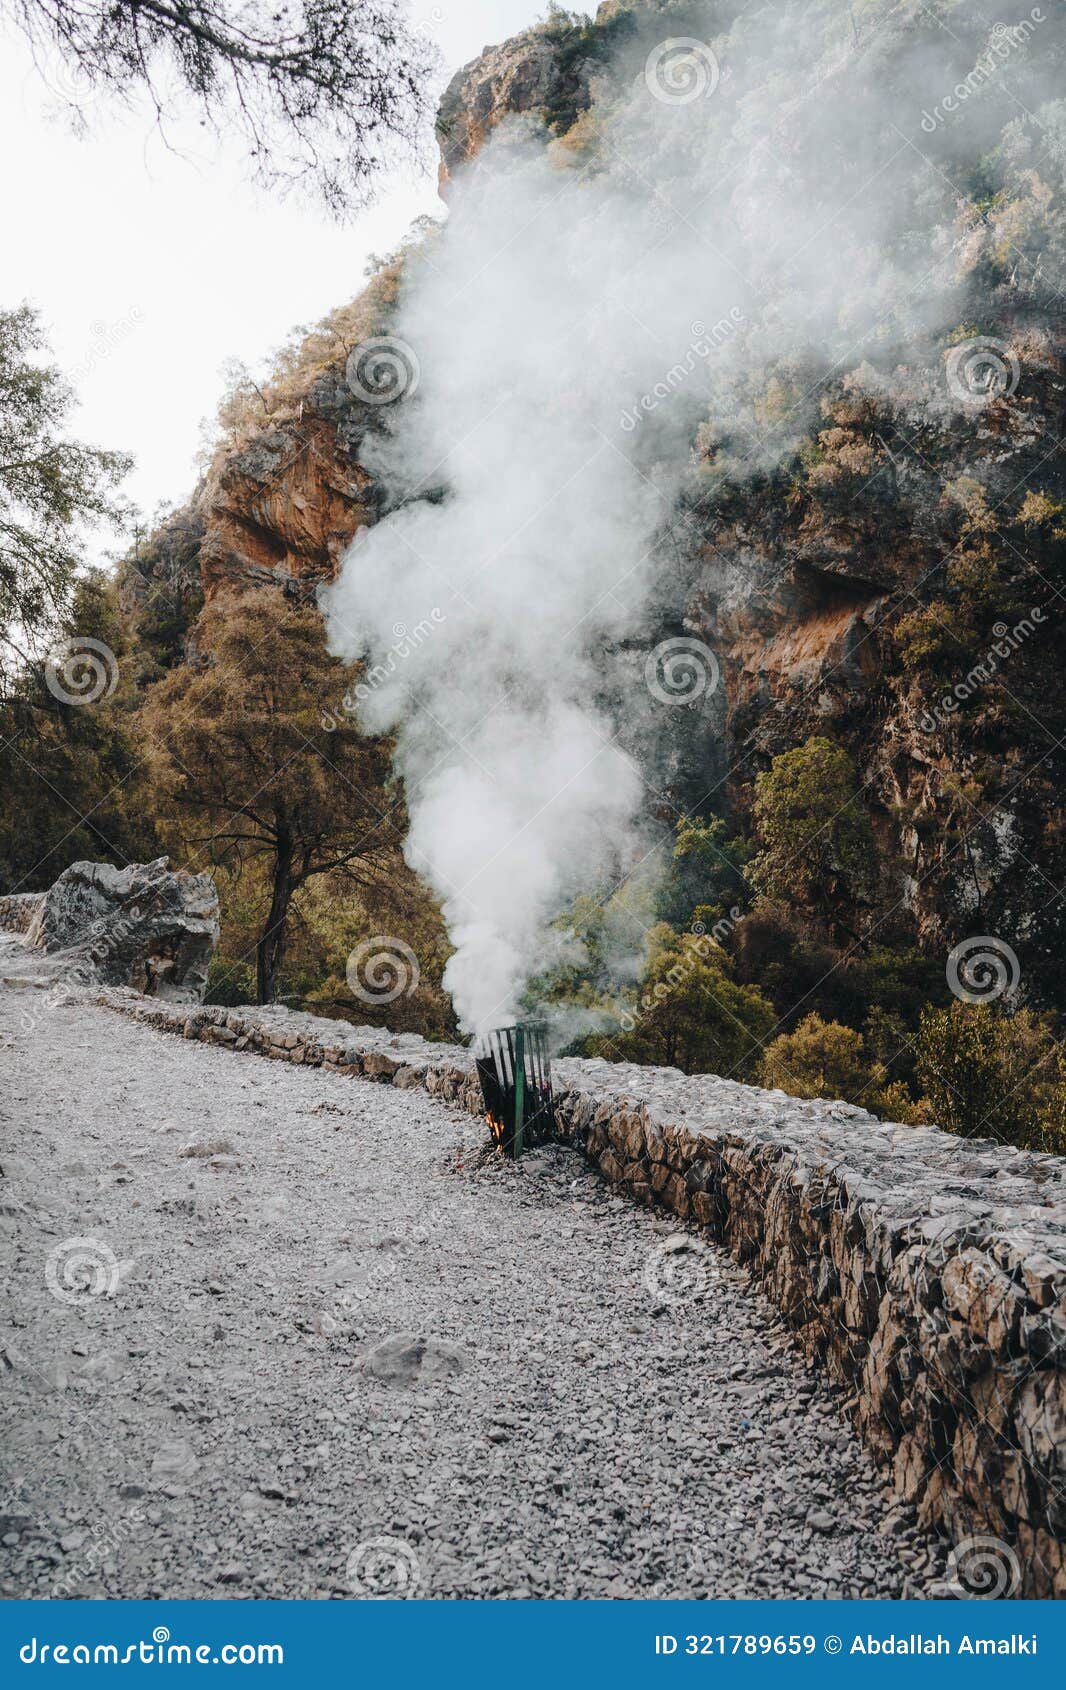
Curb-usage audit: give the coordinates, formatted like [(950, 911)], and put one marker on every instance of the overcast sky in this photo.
[(151, 269)]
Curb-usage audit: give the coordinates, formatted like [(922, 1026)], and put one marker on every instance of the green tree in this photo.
[(1051, 1119), (820, 1059), (71, 765), (706, 874), (50, 487), (986, 1074), (690, 1013), (818, 849), (247, 772)]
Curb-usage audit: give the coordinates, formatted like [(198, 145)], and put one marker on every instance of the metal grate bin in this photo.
[(515, 1074)]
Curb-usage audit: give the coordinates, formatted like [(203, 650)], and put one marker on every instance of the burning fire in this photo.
[(513, 1067)]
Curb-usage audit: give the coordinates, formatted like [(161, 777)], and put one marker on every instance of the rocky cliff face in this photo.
[(846, 604), (275, 509), (520, 76), (840, 593), (284, 507), (285, 496)]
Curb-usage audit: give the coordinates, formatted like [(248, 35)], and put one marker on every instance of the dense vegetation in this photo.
[(763, 982)]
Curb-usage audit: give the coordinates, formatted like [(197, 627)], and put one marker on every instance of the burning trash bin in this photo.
[(515, 1073)]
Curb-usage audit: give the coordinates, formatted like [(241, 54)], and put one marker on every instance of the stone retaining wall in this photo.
[(925, 1272), (18, 909)]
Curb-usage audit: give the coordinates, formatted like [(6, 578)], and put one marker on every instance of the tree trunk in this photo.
[(270, 951)]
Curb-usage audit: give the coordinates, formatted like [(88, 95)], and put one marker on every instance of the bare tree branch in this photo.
[(322, 92)]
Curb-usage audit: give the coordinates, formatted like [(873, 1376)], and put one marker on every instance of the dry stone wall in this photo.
[(18, 909), (925, 1272)]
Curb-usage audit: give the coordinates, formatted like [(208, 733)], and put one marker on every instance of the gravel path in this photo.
[(334, 1350)]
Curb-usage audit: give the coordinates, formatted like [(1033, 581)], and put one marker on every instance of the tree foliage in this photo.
[(818, 847), (828, 1059), (246, 773), (320, 91), (820, 1059), (989, 1074), (71, 771), (706, 872), (691, 1013), (50, 487)]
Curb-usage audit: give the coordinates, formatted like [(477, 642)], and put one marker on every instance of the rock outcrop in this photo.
[(519, 76), (147, 927), (282, 509)]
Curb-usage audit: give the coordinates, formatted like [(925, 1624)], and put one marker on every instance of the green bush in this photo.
[(230, 983), (820, 1059), (818, 847), (690, 1012), (987, 1074)]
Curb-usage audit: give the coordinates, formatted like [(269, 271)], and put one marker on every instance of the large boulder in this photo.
[(147, 926)]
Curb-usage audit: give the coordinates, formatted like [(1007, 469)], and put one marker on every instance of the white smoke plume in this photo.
[(534, 555), (571, 324)]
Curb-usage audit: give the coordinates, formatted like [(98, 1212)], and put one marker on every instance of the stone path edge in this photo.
[(925, 1272)]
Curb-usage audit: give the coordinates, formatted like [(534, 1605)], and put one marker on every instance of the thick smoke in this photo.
[(762, 197), (533, 552)]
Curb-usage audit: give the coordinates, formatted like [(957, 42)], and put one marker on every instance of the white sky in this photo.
[(150, 269)]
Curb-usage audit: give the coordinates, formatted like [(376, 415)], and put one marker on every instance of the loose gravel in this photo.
[(320, 1344)]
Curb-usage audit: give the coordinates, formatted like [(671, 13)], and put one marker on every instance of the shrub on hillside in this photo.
[(690, 1012), (987, 1074)]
